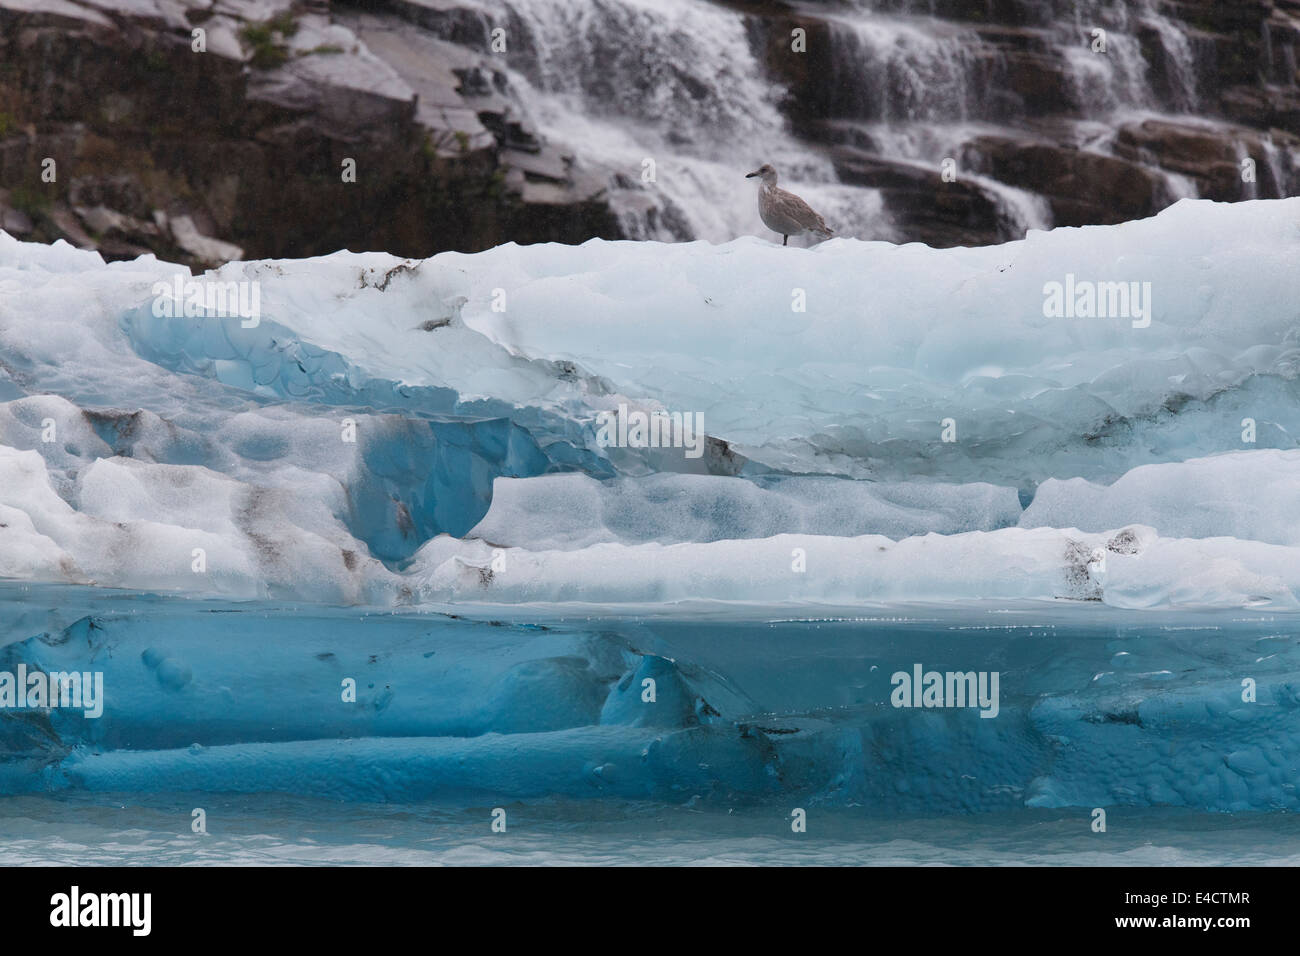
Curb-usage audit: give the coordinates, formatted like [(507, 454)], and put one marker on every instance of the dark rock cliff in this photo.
[(118, 133), (240, 149)]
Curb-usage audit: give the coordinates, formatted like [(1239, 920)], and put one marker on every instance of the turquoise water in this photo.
[(263, 830)]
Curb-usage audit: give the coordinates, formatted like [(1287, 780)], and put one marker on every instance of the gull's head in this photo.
[(766, 172)]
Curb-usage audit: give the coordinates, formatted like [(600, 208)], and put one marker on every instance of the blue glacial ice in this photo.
[(1109, 709), (396, 476)]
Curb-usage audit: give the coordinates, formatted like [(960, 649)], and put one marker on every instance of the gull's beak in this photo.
[(751, 175)]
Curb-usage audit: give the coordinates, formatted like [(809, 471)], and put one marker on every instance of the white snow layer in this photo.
[(876, 413)]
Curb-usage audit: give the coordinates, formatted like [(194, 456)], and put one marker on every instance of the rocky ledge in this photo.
[(205, 130)]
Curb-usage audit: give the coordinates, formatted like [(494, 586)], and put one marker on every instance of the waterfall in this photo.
[(1179, 62), (669, 102), (670, 88), (904, 70)]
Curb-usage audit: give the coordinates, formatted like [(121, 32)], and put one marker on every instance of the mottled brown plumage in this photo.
[(784, 212)]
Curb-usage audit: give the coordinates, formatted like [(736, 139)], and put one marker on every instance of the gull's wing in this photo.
[(790, 207)]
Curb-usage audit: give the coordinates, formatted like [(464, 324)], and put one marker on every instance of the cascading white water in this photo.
[(670, 88), (668, 102), (902, 70), (927, 87), (1180, 62)]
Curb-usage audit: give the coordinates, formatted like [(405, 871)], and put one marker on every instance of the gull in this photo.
[(785, 212)]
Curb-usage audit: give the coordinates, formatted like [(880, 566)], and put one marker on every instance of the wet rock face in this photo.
[(306, 126), (946, 213), (1019, 92), (118, 132), (1126, 190)]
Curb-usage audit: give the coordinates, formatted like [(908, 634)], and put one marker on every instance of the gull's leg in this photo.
[(783, 239)]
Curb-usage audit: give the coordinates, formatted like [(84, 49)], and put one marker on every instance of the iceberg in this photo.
[(384, 427), (372, 544)]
